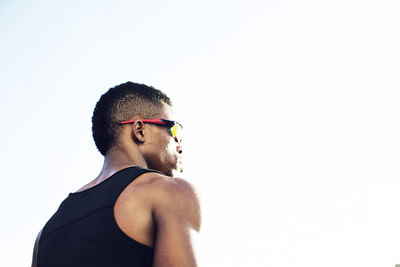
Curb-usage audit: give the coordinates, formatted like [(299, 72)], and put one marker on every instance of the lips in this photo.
[(180, 163)]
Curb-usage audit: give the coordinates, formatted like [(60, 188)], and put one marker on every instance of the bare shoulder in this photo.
[(174, 197), (167, 186), (173, 206)]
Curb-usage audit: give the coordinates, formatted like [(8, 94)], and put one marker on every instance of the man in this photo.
[(134, 213)]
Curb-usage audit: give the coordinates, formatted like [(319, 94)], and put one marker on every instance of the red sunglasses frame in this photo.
[(159, 121)]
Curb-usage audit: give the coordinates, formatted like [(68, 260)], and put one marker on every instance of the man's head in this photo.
[(132, 101)]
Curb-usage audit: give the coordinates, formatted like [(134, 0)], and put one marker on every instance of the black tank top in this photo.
[(83, 231)]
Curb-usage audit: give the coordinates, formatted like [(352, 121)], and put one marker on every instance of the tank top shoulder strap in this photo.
[(106, 193), (119, 181)]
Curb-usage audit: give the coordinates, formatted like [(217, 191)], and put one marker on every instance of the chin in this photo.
[(168, 172), (177, 171), (173, 170)]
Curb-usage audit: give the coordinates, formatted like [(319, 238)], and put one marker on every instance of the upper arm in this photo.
[(176, 214), (35, 249)]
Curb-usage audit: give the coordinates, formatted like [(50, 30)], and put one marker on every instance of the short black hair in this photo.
[(124, 102)]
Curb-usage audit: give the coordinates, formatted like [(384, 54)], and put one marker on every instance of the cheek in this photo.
[(171, 148), (167, 158)]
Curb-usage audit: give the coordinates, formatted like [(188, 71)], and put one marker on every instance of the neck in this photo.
[(117, 159)]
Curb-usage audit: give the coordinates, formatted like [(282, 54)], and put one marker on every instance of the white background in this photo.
[(290, 110)]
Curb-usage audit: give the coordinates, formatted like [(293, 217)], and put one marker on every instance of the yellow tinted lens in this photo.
[(176, 131)]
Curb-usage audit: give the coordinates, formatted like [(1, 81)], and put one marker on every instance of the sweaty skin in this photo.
[(157, 210)]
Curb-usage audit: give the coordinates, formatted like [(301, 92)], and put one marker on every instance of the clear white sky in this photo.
[(290, 108)]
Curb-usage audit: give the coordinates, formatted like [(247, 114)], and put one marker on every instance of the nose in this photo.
[(179, 146)]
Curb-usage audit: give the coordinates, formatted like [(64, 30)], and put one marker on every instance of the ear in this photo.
[(138, 131)]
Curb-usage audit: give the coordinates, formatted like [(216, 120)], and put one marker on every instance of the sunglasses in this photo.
[(174, 127)]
